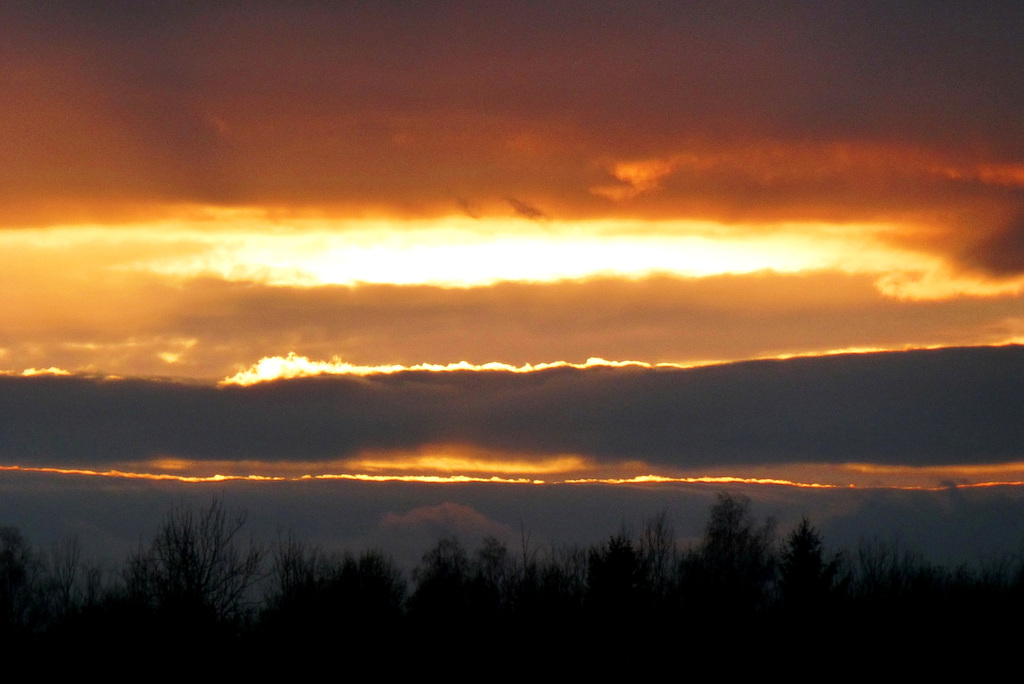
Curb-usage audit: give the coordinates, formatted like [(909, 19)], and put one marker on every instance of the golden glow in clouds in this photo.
[(462, 252)]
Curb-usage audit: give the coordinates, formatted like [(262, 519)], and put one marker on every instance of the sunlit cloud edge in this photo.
[(292, 365), (637, 480)]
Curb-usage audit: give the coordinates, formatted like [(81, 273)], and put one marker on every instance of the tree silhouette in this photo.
[(806, 578), (318, 601), (494, 575), (659, 555), (195, 572), (730, 571), (63, 581), (19, 572), (614, 576), (186, 591), (441, 595)]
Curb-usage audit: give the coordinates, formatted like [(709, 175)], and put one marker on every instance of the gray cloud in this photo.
[(919, 408)]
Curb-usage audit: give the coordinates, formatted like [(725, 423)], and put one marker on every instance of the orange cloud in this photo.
[(83, 317), (558, 173), (218, 111)]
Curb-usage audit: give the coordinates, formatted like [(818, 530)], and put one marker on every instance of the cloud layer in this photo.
[(954, 406), (739, 113), (69, 317), (189, 187)]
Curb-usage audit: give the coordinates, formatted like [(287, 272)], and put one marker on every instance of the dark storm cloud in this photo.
[(949, 406)]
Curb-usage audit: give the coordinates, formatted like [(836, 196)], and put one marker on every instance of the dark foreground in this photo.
[(742, 597)]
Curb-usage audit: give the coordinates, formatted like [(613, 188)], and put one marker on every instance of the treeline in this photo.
[(199, 588)]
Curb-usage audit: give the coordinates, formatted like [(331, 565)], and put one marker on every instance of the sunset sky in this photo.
[(531, 241)]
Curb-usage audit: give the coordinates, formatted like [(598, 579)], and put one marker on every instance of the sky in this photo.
[(431, 256)]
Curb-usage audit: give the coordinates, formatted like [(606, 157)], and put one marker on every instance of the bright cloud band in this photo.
[(463, 252)]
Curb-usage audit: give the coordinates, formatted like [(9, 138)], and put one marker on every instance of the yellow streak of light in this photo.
[(613, 481), (141, 476), (435, 479), (643, 479), (474, 465), (293, 366)]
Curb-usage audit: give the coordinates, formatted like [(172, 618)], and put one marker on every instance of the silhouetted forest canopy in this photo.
[(199, 585)]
